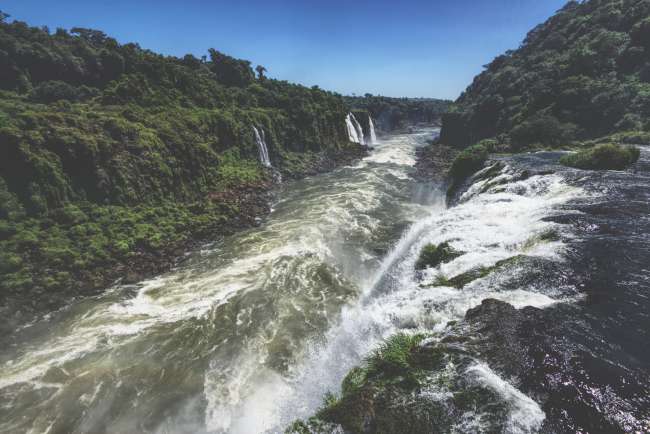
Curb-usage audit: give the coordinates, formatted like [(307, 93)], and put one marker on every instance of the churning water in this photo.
[(250, 332)]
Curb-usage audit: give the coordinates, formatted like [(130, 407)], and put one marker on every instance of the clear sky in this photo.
[(395, 48)]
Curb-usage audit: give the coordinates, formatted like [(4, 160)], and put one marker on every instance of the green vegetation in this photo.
[(384, 394), (583, 74), (467, 162), (399, 365), (432, 255), (397, 359), (84, 241), (112, 155), (394, 113), (602, 157)]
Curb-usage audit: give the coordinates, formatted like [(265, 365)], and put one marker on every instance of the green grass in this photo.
[(606, 156)]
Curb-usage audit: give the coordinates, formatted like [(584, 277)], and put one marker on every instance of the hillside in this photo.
[(113, 158), (583, 74)]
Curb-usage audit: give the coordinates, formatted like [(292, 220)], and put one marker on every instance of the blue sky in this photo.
[(396, 48)]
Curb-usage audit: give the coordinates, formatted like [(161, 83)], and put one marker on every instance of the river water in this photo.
[(248, 333)]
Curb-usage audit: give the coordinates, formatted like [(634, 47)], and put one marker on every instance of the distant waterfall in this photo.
[(355, 132), (352, 131), (373, 136), (357, 125), (261, 145)]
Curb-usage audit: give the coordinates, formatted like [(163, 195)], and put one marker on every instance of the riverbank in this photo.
[(83, 248), (433, 162), (211, 345)]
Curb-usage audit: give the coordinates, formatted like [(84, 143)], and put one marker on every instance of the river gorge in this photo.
[(251, 331)]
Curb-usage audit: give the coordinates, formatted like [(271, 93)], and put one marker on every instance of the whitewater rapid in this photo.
[(251, 331)]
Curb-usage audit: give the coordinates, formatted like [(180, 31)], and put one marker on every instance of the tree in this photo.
[(96, 37), (231, 71), (260, 72), (3, 17)]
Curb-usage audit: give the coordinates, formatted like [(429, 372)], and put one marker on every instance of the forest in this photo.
[(584, 74), (397, 113), (113, 157)]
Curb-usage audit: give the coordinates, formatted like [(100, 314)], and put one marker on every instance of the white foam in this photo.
[(526, 416), (245, 395), (490, 226)]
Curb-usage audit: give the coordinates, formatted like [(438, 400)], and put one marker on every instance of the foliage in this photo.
[(394, 358), (81, 241), (468, 161), (397, 361), (371, 394), (393, 113), (231, 71), (545, 130), (108, 150), (603, 157), (432, 255), (580, 75)]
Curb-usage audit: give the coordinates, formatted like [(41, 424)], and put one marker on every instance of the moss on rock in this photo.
[(460, 280), (433, 255)]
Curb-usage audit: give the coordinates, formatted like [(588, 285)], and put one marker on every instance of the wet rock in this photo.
[(433, 162), (533, 348), (432, 255)]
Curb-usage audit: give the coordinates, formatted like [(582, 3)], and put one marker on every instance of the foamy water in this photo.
[(252, 331)]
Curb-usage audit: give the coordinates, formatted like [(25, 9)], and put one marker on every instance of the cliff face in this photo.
[(112, 156), (582, 74)]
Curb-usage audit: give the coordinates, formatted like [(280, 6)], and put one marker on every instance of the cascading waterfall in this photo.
[(352, 131), (355, 132), (260, 139), (357, 126), (373, 135)]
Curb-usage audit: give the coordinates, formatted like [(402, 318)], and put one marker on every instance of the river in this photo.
[(249, 332)]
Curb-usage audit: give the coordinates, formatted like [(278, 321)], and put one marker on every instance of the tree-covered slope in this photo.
[(584, 73), (112, 156), (84, 117)]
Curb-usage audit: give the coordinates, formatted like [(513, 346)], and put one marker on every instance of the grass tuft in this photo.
[(607, 156)]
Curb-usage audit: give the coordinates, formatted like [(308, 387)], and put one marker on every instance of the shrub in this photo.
[(468, 162), (50, 91), (607, 156), (9, 262), (394, 356), (432, 255), (69, 215)]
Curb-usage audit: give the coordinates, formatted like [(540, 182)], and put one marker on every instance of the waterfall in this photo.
[(357, 126), (352, 131), (355, 132), (373, 135), (260, 139)]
